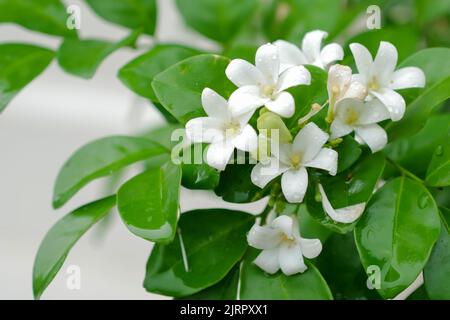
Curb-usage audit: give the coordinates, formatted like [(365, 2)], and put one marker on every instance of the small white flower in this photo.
[(381, 79), (282, 246), (340, 85), (311, 52), (291, 160), (264, 84), (221, 129), (361, 117), (343, 215)]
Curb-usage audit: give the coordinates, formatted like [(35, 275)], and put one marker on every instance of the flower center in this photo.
[(374, 84), (232, 128), (268, 91), (287, 239), (296, 160), (351, 117)]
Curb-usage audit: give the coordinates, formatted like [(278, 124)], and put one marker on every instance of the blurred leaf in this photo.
[(19, 65), (149, 202), (213, 240), (179, 87), (60, 239), (258, 285), (83, 57), (46, 16), (138, 74), (242, 51), (438, 173), (349, 152), (100, 158), (397, 232), (427, 12), (133, 14), (216, 19), (348, 188)]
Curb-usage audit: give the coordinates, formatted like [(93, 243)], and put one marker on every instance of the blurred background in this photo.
[(57, 113)]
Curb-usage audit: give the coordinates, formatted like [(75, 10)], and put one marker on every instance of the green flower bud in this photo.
[(268, 122)]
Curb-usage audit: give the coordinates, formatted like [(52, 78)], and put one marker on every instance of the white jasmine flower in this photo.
[(381, 79), (340, 85), (291, 161), (361, 117), (311, 52), (343, 215), (221, 129), (283, 247), (264, 84)]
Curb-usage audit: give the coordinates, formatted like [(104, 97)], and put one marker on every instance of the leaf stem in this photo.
[(404, 171)]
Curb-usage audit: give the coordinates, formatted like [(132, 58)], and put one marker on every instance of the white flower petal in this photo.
[(290, 54), (247, 140), (393, 101), (311, 44), (372, 112), (204, 129), (326, 159), (243, 73), (330, 53), (356, 90), (408, 77), (218, 154), (343, 215), (263, 237), (311, 248), (262, 173), (294, 184), (363, 60), (292, 77), (385, 61), (291, 259), (285, 224), (245, 100), (339, 129), (214, 104), (268, 62), (268, 261), (283, 104), (339, 78), (309, 141), (373, 135)]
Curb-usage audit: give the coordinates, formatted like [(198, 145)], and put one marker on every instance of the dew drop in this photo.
[(423, 201), (439, 150)]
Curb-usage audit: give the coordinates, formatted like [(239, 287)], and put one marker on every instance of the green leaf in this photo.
[(47, 16), (348, 188), (100, 158), (179, 88), (19, 65), (258, 285), (340, 266), (415, 152), (397, 233), (445, 217), (226, 289), (133, 14), (83, 57), (138, 74), (60, 239), (217, 19), (349, 152), (236, 186), (437, 271), (149, 202), (438, 174), (198, 175), (214, 240)]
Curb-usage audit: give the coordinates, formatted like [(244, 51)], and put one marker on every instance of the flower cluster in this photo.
[(356, 103)]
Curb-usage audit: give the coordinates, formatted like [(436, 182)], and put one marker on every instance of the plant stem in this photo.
[(404, 171)]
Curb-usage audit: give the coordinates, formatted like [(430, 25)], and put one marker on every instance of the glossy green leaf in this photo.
[(236, 186), (83, 57), (61, 238), (348, 188), (46, 16), (213, 240), (198, 175), (397, 233), (438, 174), (340, 266), (138, 74), (258, 285), (149, 203), (349, 152), (445, 217), (133, 14), (179, 88), (19, 65), (437, 271), (100, 158), (217, 19), (415, 152)]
